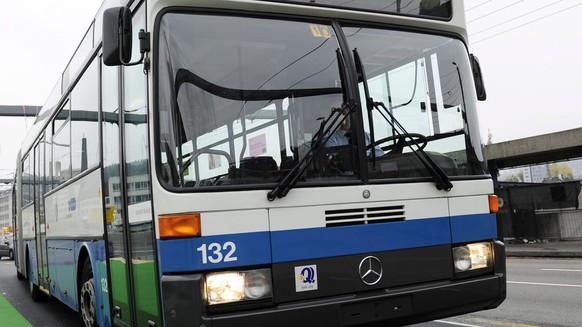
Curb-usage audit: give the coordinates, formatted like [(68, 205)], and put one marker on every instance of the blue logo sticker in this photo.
[(306, 278), (72, 204)]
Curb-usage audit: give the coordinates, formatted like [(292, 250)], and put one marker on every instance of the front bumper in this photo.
[(396, 307)]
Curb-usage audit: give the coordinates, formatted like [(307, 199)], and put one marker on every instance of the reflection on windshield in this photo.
[(423, 90), (244, 101)]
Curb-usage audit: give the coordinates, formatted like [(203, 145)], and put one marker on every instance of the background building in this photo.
[(5, 208)]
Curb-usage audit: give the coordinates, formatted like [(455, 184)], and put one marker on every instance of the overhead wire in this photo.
[(477, 6), (525, 24), (495, 11), (514, 18)]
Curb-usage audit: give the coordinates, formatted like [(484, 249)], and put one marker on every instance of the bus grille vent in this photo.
[(364, 216)]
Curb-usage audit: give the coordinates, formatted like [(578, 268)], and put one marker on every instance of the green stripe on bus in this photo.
[(145, 286)]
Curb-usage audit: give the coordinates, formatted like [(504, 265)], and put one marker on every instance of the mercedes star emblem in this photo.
[(370, 270)]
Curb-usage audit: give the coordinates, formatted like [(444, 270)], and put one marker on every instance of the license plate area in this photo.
[(374, 310)]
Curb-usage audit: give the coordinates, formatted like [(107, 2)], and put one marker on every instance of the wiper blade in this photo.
[(328, 127), (325, 131), (442, 181)]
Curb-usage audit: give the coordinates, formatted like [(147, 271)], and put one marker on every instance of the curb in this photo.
[(536, 254)]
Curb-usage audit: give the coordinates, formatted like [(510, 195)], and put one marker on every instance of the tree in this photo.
[(561, 170), (513, 179)]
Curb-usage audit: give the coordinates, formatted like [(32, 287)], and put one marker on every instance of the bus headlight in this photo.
[(472, 257), (236, 286)]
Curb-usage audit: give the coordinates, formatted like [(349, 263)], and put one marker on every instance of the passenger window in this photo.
[(84, 122), (62, 155)]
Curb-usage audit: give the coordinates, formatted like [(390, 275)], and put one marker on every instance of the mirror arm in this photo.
[(144, 46)]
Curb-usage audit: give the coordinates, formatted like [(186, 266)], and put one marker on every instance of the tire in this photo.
[(88, 307), (11, 255), (35, 292), (33, 289)]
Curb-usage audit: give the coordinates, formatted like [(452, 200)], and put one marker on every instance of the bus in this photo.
[(263, 163)]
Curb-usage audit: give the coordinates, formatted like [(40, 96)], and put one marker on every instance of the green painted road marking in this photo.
[(10, 316)]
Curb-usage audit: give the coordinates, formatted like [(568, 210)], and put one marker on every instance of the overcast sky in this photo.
[(529, 53), (530, 56), (37, 39)]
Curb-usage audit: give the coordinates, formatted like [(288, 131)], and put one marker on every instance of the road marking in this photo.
[(494, 322), (455, 323), (566, 270), (545, 284)]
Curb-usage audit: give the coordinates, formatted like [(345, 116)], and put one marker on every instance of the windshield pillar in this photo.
[(352, 93)]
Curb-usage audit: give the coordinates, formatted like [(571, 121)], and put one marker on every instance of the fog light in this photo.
[(472, 257), (228, 287)]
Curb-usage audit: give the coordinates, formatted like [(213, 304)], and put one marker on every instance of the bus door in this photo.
[(133, 279), (39, 216)]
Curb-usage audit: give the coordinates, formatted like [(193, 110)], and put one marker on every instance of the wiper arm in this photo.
[(325, 132), (442, 181)]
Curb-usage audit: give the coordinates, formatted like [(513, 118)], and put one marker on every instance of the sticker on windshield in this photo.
[(320, 31), (306, 278)]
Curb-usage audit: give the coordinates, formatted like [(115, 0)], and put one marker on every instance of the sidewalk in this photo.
[(566, 249)]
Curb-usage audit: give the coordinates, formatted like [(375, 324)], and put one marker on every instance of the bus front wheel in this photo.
[(88, 306)]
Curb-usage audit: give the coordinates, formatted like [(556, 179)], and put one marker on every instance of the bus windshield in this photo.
[(246, 101)]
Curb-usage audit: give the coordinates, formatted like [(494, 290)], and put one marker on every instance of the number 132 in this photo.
[(217, 253)]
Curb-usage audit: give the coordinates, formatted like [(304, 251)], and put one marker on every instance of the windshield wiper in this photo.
[(442, 181), (327, 128), (325, 131)]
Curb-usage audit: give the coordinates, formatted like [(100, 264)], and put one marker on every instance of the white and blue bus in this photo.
[(263, 163)]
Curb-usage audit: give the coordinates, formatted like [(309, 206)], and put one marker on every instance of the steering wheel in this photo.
[(400, 141)]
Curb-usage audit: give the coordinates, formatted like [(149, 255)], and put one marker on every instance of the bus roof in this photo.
[(430, 9)]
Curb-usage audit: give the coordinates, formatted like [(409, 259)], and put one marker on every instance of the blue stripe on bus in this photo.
[(262, 248), (305, 244), (473, 228), (220, 251)]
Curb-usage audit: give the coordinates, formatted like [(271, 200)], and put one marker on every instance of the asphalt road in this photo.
[(541, 292), (47, 313)]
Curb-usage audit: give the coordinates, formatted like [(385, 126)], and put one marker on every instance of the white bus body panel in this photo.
[(76, 210), (305, 207)]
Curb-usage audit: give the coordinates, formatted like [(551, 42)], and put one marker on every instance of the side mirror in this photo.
[(478, 77), (117, 36)]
